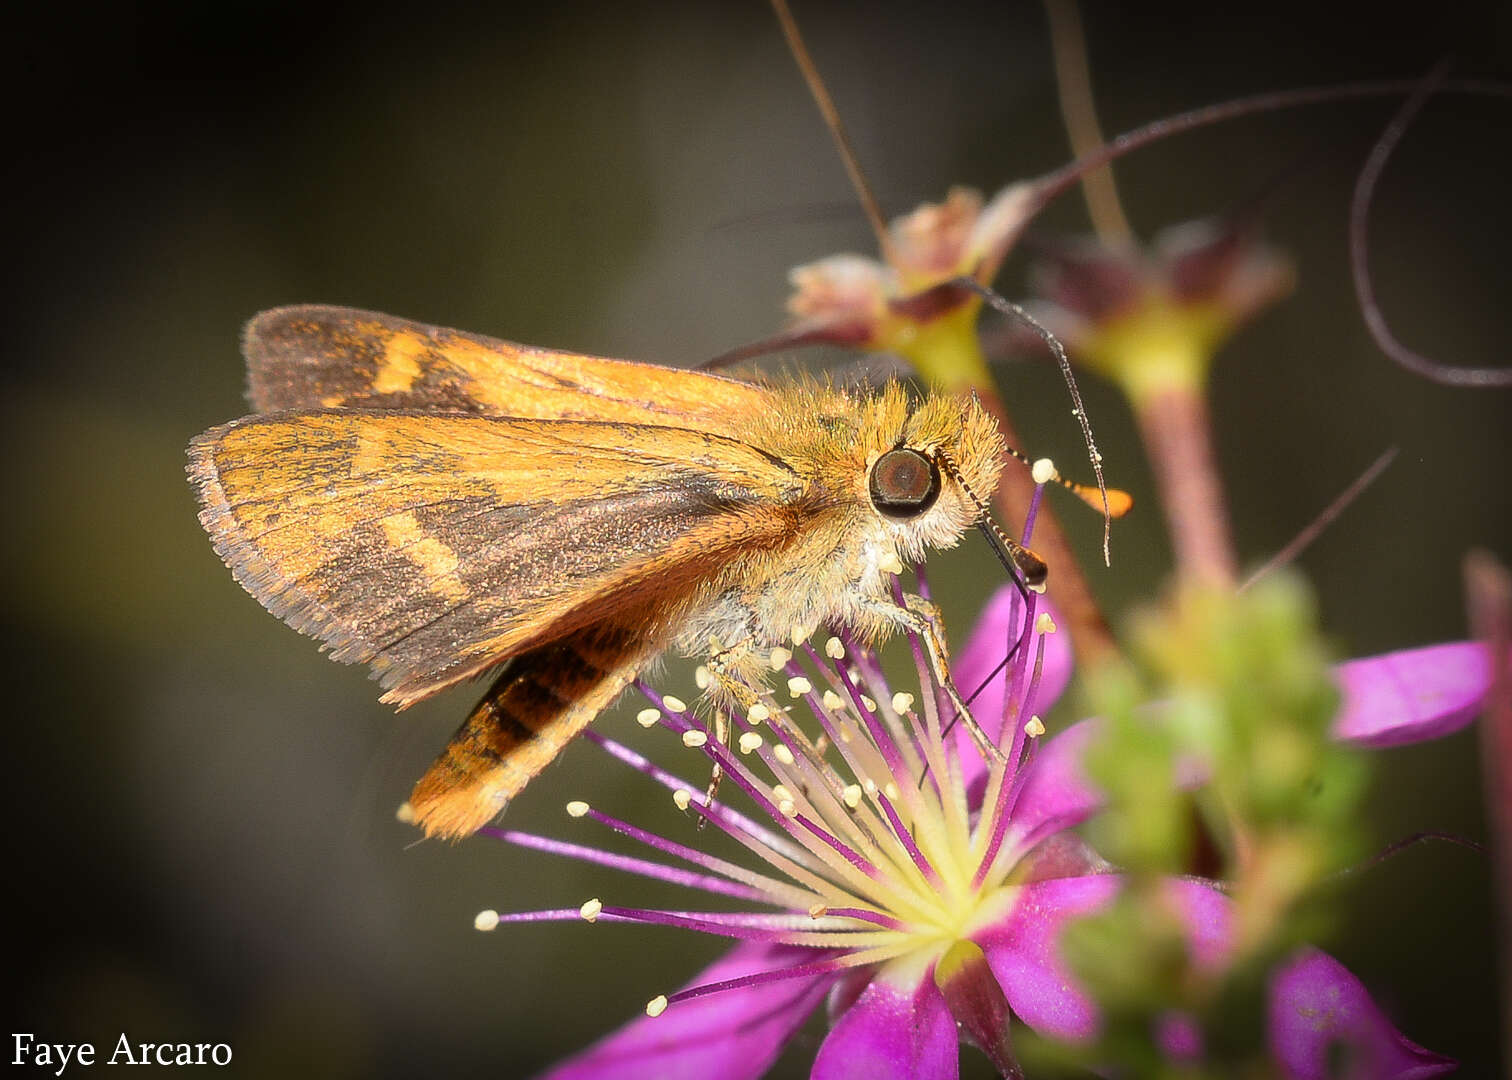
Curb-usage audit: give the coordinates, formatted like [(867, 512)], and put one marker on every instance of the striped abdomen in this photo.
[(540, 700)]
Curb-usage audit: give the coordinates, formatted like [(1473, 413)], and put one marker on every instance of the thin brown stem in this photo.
[(832, 120), (1055, 182), (1073, 79), (1330, 514)]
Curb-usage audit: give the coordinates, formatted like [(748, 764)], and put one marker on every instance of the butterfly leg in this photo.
[(922, 617), (716, 774), (732, 670)]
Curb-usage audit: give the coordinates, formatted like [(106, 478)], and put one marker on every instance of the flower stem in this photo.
[(1176, 428)]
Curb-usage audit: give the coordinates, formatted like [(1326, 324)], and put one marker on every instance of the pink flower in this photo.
[(1147, 316), (928, 910), (888, 305)]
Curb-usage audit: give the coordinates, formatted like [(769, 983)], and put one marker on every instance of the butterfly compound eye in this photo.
[(904, 483)]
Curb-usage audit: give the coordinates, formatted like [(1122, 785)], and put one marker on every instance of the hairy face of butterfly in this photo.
[(884, 478), (885, 475)]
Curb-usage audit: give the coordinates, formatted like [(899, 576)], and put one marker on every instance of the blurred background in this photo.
[(202, 843)]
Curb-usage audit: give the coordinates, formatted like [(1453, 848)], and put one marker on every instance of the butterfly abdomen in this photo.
[(540, 700)]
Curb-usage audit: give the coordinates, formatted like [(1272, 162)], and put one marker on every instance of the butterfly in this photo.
[(442, 506)]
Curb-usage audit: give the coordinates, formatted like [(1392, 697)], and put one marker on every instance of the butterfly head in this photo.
[(928, 483)]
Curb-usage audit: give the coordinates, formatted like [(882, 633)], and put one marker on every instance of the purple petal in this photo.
[(1412, 695), (984, 650), (1024, 953), (1056, 793), (1024, 949), (1208, 917), (847, 991), (1316, 1004), (1179, 1037), (978, 1004), (736, 1034), (893, 1030)]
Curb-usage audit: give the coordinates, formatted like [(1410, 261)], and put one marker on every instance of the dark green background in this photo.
[(199, 808)]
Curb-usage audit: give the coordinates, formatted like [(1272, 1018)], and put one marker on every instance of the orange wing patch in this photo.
[(315, 357)]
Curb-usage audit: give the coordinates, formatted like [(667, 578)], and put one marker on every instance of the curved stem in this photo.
[(1055, 182)]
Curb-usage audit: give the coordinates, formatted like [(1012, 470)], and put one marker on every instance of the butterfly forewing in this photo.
[(319, 357), (434, 546)]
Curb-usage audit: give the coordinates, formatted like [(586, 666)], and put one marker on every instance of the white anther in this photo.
[(834, 648), (902, 701), (648, 717), (694, 738), (590, 911), (1043, 471), (486, 920), (798, 686), (577, 808), (675, 704)]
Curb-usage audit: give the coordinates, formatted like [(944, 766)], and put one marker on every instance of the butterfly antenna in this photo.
[(1027, 569), (1007, 307)]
